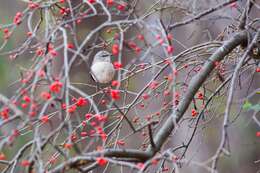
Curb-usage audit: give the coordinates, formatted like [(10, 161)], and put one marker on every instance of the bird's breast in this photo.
[(103, 72)]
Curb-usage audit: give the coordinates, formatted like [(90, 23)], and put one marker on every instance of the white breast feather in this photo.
[(103, 71)]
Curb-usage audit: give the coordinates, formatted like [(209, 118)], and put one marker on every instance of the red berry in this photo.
[(103, 136), (83, 134), (194, 113), (44, 119), (88, 116), (154, 162), (166, 93), (158, 37), (67, 145), (200, 95), (115, 94), (25, 163), (6, 30), (5, 113), (140, 165), (45, 95), (39, 51), (142, 105), (78, 21), (93, 123), (142, 66), (165, 169), (56, 87), (175, 72), (53, 159), (115, 83), (138, 50), (101, 161), (101, 118), (91, 1), (27, 99), (153, 84), (18, 18), (103, 101), (73, 137), (24, 105), (29, 34), (2, 156), (72, 109), (116, 36), (117, 65), (70, 45), (81, 102), (33, 5), (115, 49), (54, 53), (170, 49), (233, 5), (120, 142), (63, 11), (136, 119), (84, 123), (110, 2), (32, 114), (169, 36), (140, 37), (74, 99), (145, 96), (121, 7), (161, 41), (132, 44), (16, 132)]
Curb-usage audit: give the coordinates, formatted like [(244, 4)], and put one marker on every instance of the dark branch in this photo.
[(204, 13), (195, 83)]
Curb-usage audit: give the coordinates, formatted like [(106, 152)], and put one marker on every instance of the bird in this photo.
[(102, 70)]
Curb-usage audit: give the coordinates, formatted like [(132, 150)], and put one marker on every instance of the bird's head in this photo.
[(102, 56)]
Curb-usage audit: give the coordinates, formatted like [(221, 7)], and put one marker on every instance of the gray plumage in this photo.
[(102, 69)]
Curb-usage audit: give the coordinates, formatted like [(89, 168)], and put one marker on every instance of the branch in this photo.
[(244, 16), (91, 157), (204, 13), (229, 102), (167, 128), (8, 103), (195, 83), (151, 135)]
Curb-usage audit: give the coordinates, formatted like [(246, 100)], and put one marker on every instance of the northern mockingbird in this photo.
[(102, 69)]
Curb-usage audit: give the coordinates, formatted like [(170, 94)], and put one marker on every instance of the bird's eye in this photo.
[(105, 55)]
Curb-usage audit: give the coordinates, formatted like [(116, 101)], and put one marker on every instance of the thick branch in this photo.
[(110, 153), (168, 126), (194, 85)]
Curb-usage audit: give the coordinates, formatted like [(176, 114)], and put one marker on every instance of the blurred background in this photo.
[(243, 142)]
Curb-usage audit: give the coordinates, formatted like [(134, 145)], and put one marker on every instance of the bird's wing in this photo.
[(93, 76)]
